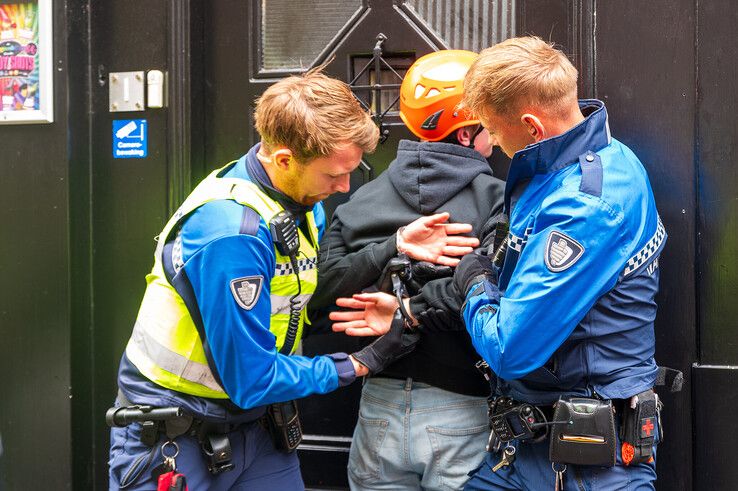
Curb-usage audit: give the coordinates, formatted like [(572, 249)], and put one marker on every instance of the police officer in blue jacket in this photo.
[(224, 304), (565, 318), (571, 311)]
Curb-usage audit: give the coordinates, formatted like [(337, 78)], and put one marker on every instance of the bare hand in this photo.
[(431, 239), (372, 317)]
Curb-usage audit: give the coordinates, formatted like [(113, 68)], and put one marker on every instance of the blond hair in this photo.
[(517, 73), (313, 115)]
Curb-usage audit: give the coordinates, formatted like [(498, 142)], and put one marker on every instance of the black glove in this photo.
[(439, 320), (424, 271), (388, 348), (472, 268)]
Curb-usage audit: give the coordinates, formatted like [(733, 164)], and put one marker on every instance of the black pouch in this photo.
[(638, 427), (216, 447), (583, 433)]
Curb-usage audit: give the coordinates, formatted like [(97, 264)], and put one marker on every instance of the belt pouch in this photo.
[(583, 432), (638, 427), (216, 447)]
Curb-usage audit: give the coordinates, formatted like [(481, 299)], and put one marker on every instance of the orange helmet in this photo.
[(432, 90)]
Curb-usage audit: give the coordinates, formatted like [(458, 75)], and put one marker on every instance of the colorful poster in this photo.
[(19, 57)]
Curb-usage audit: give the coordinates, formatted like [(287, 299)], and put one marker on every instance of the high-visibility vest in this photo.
[(165, 345)]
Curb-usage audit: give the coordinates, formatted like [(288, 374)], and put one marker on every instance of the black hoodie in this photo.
[(424, 179)]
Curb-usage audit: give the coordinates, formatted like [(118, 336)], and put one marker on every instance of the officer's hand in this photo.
[(424, 271), (389, 347), (431, 239), (372, 317), (473, 268)]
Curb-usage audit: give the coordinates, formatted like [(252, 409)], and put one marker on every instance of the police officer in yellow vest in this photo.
[(224, 304)]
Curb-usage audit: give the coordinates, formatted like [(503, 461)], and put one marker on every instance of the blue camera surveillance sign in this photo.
[(130, 139)]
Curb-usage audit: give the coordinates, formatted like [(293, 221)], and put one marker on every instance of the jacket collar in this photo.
[(555, 153)]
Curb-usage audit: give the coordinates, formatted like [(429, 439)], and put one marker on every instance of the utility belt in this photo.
[(582, 430), (281, 420)]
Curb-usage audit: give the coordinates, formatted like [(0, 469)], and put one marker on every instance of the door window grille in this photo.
[(294, 35), (466, 24), (392, 70)]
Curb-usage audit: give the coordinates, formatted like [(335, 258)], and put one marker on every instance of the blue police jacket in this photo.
[(223, 240), (573, 310)]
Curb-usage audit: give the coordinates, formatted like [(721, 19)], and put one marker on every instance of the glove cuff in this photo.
[(473, 283)]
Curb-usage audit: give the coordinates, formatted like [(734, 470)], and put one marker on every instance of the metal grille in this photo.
[(293, 34), (467, 24), (388, 100)]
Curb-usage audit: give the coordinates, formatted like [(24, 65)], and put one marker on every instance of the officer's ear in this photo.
[(282, 158), (534, 126)]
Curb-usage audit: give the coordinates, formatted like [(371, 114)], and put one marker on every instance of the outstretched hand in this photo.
[(432, 239), (372, 315)]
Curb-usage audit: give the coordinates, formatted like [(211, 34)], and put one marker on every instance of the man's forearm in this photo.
[(342, 273), (361, 370)]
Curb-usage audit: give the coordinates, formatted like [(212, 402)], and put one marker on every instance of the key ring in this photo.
[(561, 470), (176, 449)]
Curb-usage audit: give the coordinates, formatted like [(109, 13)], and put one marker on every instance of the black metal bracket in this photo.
[(377, 61)]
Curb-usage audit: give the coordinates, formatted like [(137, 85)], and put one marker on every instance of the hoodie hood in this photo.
[(428, 174)]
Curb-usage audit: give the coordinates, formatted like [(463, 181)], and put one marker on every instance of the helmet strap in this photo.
[(474, 136)]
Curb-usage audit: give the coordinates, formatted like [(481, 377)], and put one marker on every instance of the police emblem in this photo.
[(562, 252), (246, 290)]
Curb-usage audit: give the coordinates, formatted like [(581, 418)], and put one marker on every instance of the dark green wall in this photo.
[(35, 277)]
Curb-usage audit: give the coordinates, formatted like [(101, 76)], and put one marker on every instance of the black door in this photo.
[(251, 44), (130, 199)]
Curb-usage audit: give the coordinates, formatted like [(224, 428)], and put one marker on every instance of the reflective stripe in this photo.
[(647, 251), (281, 305), (170, 361)]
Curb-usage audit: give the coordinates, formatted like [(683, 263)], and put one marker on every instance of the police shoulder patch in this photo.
[(246, 290), (562, 252)]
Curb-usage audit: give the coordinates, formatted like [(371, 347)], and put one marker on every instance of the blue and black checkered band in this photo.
[(517, 243), (305, 264), (177, 260), (648, 251)]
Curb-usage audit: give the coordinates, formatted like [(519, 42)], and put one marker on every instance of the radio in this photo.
[(511, 420), (284, 425)]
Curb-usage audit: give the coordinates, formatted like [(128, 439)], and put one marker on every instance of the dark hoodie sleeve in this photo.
[(342, 272)]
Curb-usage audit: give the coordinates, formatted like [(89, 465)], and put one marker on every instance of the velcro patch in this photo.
[(562, 252), (647, 427), (246, 290)]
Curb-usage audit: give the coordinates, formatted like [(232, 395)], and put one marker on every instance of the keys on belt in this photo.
[(508, 457)]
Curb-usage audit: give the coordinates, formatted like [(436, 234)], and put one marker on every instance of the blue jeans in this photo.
[(412, 435), (258, 465), (532, 470)]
